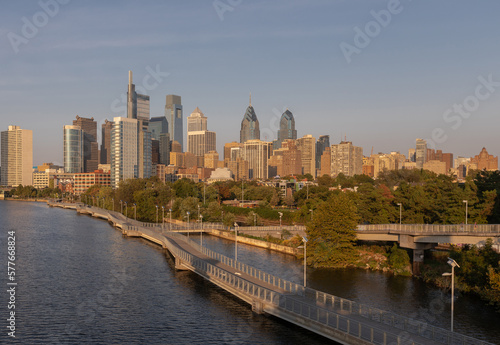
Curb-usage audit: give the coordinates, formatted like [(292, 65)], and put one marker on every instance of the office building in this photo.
[(249, 125), (322, 143), (106, 142), (200, 140), (90, 145), (228, 149), (307, 145), (326, 162), (421, 153), (173, 113), (158, 126), (485, 161), (17, 157), (346, 159), (256, 152), (73, 149), (287, 128)]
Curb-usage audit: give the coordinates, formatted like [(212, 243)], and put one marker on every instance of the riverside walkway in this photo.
[(335, 318)]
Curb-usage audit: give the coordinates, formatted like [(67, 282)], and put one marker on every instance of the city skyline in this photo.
[(406, 83)]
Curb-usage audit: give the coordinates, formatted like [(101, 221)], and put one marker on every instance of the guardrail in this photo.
[(432, 228)]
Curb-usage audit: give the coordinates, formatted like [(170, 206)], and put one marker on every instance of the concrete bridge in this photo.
[(335, 318)]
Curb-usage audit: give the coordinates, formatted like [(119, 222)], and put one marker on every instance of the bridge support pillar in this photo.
[(418, 260), (179, 266), (257, 307)]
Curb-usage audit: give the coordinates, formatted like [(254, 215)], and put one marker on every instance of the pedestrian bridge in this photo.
[(335, 318)]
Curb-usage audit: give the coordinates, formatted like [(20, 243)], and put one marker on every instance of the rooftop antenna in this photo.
[(250, 99)]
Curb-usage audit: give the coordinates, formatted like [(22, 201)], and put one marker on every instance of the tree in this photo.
[(331, 233), (229, 219)]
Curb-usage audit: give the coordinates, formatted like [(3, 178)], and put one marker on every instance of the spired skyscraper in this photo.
[(173, 113), (249, 125), (131, 140), (287, 128)]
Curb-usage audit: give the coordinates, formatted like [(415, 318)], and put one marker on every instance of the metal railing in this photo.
[(433, 228), (311, 304)]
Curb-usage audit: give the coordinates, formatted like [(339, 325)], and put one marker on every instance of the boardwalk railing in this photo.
[(316, 306)]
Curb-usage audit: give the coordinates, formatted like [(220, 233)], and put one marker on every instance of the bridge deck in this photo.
[(336, 318)]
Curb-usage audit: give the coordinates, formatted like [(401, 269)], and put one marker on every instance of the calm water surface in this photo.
[(81, 282)]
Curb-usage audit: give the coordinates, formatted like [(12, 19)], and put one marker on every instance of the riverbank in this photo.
[(27, 200)]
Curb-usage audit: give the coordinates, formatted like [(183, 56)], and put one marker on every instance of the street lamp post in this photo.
[(170, 212), (452, 263), (201, 233), (222, 217), (162, 218), (135, 211), (281, 215), (156, 214), (235, 241), (254, 219), (466, 209), (188, 222), (400, 214), (304, 239)]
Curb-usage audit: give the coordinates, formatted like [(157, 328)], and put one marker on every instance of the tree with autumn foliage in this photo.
[(331, 233)]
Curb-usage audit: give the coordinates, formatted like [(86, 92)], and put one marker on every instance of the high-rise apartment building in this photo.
[(90, 145), (326, 162), (17, 157), (346, 159), (73, 148), (228, 147), (287, 128), (421, 153), (322, 143), (249, 125), (106, 142), (173, 113), (256, 152), (131, 153), (200, 140), (307, 145)]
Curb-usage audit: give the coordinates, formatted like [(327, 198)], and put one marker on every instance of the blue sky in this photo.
[(427, 57)]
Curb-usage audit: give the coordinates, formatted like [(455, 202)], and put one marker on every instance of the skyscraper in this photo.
[(346, 159), (158, 126), (124, 152), (307, 145), (137, 104), (197, 121), (173, 113), (249, 125), (287, 127), (200, 140), (322, 143), (421, 153), (256, 152), (106, 142), (17, 157), (74, 149), (90, 145)]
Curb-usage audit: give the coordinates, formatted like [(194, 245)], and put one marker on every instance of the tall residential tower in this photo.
[(17, 157)]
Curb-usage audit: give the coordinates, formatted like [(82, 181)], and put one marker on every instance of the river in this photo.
[(79, 281)]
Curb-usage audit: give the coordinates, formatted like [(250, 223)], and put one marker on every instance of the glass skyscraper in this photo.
[(73, 149), (287, 127), (173, 113), (249, 125)]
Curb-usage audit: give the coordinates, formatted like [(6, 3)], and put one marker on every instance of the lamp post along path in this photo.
[(452, 263)]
